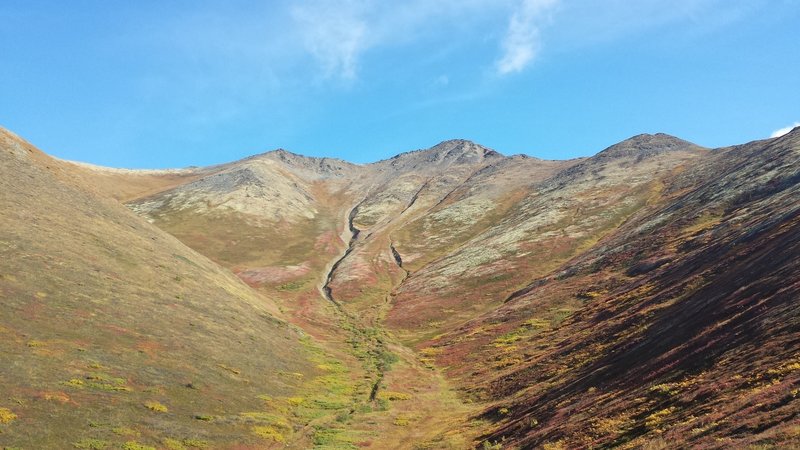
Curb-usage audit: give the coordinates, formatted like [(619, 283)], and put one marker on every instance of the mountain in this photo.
[(647, 145), (680, 326), (449, 297), (115, 333)]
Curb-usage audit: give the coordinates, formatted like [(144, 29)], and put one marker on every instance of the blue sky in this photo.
[(176, 83)]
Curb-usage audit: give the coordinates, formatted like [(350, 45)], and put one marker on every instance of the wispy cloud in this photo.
[(784, 130), (521, 43), (335, 32), (266, 48)]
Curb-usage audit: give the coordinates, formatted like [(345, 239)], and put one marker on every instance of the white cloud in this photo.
[(277, 38), (335, 32), (785, 130), (521, 42)]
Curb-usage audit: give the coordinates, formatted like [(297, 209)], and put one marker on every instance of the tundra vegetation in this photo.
[(451, 297)]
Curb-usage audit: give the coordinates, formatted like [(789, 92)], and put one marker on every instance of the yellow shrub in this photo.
[(75, 382), (557, 445), (6, 415), (173, 444), (133, 445), (295, 401), (196, 443), (268, 432), (153, 405), (390, 395), (430, 351), (656, 419), (506, 362), (402, 421)]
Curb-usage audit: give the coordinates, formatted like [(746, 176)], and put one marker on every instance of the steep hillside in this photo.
[(553, 220), (113, 331), (681, 325)]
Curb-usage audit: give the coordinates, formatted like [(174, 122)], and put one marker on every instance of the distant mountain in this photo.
[(449, 297)]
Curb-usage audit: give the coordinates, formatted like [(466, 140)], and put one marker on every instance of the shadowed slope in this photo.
[(685, 325)]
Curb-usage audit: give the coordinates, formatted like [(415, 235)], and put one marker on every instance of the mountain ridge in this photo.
[(449, 144)]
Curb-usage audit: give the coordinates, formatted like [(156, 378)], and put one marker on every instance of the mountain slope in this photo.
[(556, 218), (127, 185), (685, 324), (114, 331)]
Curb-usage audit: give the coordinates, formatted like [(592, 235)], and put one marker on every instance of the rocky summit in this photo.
[(445, 298)]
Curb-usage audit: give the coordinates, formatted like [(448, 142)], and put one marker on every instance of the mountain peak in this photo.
[(647, 145), (459, 147), (445, 153), (321, 166), (284, 155), (794, 132)]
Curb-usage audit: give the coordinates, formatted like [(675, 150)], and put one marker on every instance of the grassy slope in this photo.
[(104, 314)]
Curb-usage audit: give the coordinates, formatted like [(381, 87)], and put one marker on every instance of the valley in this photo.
[(446, 298)]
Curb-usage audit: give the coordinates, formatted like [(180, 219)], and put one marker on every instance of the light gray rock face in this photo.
[(260, 187), (278, 185), (310, 167), (456, 152)]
